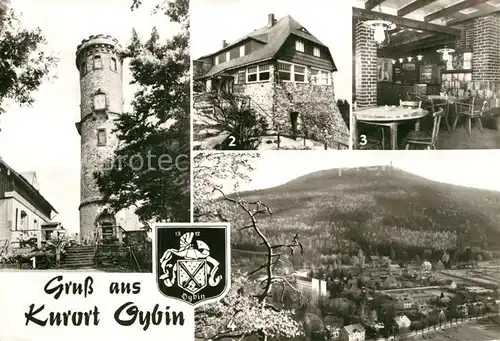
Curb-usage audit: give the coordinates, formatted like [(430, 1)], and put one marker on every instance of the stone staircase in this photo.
[(79, 256)]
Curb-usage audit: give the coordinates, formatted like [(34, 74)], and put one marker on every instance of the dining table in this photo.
[(386, 116)]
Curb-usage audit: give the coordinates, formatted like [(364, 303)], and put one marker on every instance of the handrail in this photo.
[(132, 253), (5, 248), (304, 136)]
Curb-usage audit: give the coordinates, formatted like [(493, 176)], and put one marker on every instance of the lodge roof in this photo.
[(32, 189), (273, 39)]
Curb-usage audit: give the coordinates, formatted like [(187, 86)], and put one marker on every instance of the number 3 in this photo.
[(363, 141), (232, 141)]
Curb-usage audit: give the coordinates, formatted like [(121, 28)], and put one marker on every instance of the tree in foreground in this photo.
[(234, 116), (157, 129), (249, 309), (23, 63)]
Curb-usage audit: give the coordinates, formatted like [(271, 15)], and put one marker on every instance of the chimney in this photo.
[(224, 43), (270, 20)]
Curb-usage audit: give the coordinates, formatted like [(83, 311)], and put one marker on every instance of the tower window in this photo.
[(83, 68), (99, 102), (97, 62), (101, 137), (114, 65)]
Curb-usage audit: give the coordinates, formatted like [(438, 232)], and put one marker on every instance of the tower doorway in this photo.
[(106, 227)]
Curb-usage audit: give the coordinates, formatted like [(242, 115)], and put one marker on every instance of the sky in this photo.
[(458, 167), (330, 21), (43, 138)]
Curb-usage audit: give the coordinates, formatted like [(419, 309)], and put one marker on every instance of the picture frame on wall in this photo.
[(384, 69)]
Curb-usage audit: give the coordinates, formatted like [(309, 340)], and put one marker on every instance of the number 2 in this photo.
[(232, 141), (363, 140), (33, 262)]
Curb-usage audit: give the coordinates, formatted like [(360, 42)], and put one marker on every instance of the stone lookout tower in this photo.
[(99, 60)]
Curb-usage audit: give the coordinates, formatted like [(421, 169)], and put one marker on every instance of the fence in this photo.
[(339, 145)]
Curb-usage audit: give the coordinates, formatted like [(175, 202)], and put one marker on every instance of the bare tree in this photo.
[(240, 314)]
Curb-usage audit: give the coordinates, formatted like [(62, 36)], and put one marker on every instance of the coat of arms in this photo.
[(193, 262)]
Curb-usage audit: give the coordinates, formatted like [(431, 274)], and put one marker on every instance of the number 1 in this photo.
[(33, 262)]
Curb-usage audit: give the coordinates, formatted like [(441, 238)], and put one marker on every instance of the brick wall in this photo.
[(486, 48), (366, 66)]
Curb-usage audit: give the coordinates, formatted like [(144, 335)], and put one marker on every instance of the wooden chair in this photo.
[(410, 104), (435, 104), (471, 111), (423, 138)]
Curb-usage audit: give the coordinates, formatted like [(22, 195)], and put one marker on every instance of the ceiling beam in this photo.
[(484, 9), (413, 6), (450, 10), (362, 14), (371, 4), (422, 44), (411, 38)]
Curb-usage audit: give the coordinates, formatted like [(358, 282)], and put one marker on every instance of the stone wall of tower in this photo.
[(104, 77)]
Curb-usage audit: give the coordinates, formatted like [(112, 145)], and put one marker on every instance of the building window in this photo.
[(35, 224), (252, 74), (258, 73), (285, 71), (97, 62), (17, 215), (314, 75), (216, 60), (101, 137), (264, 73), (241, 77), (114, 64), (317, 52), (242, 51), (299, 46), (299, 74), (228, 56), (24, 220), (320, 77), (99, 102)]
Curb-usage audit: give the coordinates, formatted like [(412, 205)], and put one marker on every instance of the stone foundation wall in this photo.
[(261, 94)]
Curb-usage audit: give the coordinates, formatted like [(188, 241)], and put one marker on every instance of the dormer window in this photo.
[(100, 101), (114, 64), (216, 60), (102, 138), (242, 51), (97, 62), (317, 52), (299, 46), (228, 56)]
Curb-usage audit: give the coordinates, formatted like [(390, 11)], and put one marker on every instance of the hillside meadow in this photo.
[(382, 211)]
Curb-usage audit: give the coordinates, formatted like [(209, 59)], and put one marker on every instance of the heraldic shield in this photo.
[(193, 262)]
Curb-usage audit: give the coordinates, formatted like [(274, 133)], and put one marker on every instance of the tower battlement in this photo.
[(102, 42)]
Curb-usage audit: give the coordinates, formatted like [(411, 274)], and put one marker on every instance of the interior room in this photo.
[(426, 74)]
